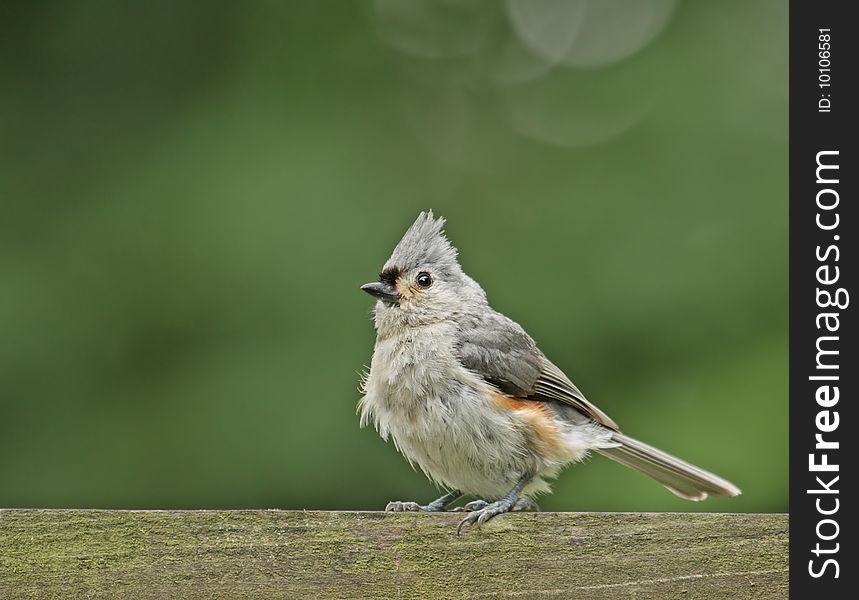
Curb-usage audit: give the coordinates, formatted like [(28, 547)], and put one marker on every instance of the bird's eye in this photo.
[(424, 279)]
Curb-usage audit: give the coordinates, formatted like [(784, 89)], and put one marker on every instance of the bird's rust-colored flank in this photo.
[(543, 434)]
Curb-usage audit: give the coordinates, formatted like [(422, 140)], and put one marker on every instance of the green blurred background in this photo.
[(192, 193)]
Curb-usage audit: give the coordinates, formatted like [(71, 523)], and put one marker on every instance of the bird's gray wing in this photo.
[(500, 351), (554, 385)]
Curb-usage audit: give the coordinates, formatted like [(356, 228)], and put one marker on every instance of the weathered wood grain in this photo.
[(296, 554)]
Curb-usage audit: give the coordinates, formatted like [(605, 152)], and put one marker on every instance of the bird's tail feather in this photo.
[(681, 478)]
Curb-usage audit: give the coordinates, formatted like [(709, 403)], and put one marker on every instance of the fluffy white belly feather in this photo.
[(447, 420)]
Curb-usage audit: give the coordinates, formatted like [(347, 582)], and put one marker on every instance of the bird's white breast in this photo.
[(440, 415)]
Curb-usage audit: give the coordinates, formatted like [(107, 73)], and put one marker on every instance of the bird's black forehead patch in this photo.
[(390, 275)]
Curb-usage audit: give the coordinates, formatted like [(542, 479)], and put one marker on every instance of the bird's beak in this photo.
[(382, 291)]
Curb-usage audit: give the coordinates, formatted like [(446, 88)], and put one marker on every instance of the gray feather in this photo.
[(424, 243), (498, 349), (554, 385), (681, 478)]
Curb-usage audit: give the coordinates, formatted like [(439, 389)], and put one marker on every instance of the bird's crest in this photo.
[(424, 243)]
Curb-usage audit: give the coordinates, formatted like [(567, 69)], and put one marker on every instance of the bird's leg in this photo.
[(487, 511), (437, 505)]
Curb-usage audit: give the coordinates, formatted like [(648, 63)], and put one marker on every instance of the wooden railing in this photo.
[(311, 554)]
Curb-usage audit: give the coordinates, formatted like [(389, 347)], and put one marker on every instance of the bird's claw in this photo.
[(522, 504), (397, 506), (472, 506), (437, 505), (482, 515)]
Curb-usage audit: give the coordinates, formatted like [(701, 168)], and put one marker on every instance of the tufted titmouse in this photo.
[(466, 394)]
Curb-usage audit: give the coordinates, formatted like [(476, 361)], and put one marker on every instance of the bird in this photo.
[(465, 394)]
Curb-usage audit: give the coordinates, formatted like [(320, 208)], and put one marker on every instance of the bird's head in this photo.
[(422, 282)]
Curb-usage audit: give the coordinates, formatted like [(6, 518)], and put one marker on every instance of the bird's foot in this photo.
[(397, 506), (472, 506), (437, 505), (482, 515), (521, 504)]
